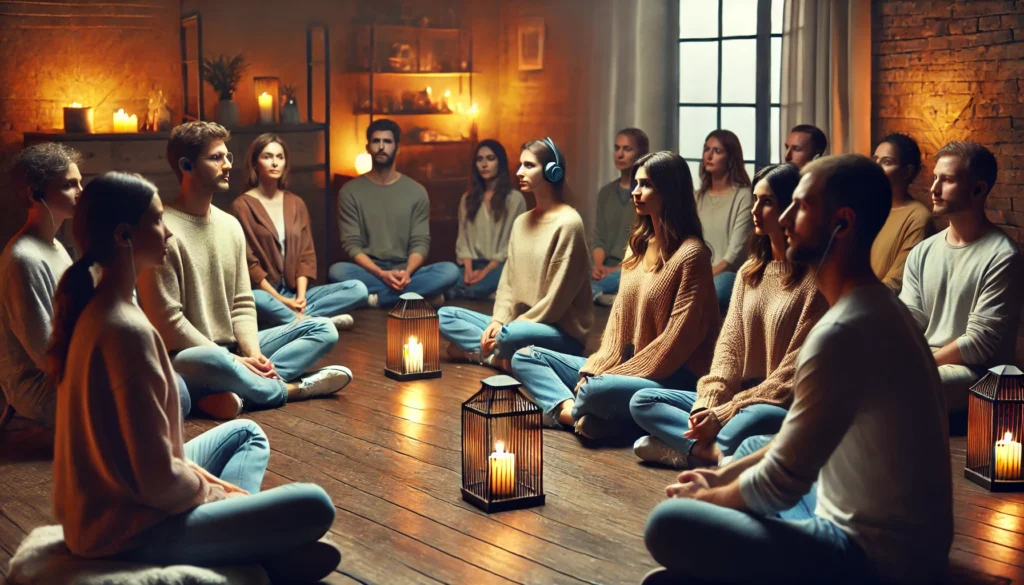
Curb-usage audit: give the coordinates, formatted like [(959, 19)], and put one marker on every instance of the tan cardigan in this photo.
[(761, 338), (263, 251), (670, 316)]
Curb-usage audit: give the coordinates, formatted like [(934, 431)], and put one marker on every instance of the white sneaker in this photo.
[(605, 300), (323, 382), (373, 301), (654, 450), (343, 322)]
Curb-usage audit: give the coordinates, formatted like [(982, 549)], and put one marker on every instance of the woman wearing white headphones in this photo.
[(544, 296)]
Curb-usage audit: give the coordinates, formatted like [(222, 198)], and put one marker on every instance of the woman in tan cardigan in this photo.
[(775, 303), (663, 324), (279, 245)]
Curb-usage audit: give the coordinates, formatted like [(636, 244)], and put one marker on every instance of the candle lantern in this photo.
[(267, 99), (413, 340), (502, 444), (995, 430), (78, 119)]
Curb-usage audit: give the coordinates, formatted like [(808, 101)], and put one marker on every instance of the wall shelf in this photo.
[(412, 73)]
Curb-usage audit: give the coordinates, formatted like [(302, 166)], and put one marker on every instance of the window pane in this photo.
[(773, 134), (698, 19), (698, 72), (739, 17), (750, 174), (776, 67), (695, 172), (695, 123), (741, 122), (739, 61), (777, 13)]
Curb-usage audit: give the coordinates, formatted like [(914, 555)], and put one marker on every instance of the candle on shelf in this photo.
[(124, 123), (266, 102), (412, 356), (78, 119), (446, 102), (430, 97), (503, 471), (1008, 454)]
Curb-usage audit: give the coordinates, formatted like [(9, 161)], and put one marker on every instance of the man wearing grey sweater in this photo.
[(384, 221), (963, 285), (867, 427)]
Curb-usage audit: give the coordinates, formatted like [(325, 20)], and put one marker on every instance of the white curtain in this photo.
[(632, 44), (826, 71)]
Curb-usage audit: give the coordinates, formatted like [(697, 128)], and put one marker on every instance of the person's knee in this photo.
[(640, 402), (449, 271), (752, 445), (255, 436), (665, 528), (183, 395), (358, 288), (196, 361), (520, 358), (313, 506), (337, 272), (448, 313), (323, 330)]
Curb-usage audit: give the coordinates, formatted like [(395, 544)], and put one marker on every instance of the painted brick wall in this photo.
[(954, 70)]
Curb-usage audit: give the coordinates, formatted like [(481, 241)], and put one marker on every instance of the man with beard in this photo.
[(384, 220), (867, 425), (805, 143), (201, 302), (963, 285)]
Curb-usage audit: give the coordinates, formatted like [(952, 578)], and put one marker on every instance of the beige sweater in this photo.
[(119, 463), (547, 275), (761, 337), (670, 316), (906, 227), (201, 294)]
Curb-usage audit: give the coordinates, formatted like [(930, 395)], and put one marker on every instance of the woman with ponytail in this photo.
[(125, 482)]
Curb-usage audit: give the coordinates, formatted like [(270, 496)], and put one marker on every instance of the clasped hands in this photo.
[(395, 279), (695, 483), (471, 277), (259, 365)]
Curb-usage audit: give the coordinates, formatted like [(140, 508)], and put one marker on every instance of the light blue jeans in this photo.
[(723, 289), (464, 328), (262, 526), (292, 348), (183, 397), (429, 281), (701, 542), (549, 378), (481, 290), (321, 301), (665, 415), (608, 285)]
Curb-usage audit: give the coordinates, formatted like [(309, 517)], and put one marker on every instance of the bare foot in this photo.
[(565, 414)]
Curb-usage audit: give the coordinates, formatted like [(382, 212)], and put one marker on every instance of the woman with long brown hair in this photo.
[(279, 245), (663, 324), (723, 203), (773, 308)]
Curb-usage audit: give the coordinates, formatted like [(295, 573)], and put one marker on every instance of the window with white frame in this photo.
[(730, 77)]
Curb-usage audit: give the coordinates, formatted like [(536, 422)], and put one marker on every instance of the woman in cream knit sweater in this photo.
[(663, 324), (774, 305)]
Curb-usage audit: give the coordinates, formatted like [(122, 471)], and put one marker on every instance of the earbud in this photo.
[(186, 165), (816, 157), (841, 224), (127, 237), (37, 195)]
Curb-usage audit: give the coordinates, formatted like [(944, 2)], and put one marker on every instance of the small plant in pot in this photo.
[(290, 109), (223, 73)]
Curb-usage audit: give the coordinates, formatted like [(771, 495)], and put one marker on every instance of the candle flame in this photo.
[(1008, 436), (264, 94), (499, 447), (447, 93), (75, 105), (412, 340), (429, 90), (120, 112), (473, 110)]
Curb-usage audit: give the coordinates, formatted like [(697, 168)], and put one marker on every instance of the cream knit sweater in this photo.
[(761, 338)]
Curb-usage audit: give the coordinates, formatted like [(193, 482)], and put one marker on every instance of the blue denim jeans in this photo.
[(464, 328), (482, 289), (429, 281), (292, 348), (608, 285), (321, 301), (764, 546), (183, 397), (723, 289), (665, 415), (236, 451), (549, 378)]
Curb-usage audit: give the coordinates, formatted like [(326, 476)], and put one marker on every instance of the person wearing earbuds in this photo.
[(804, 144), (201, 302), (47, 180), (963, 285), (384, 222), (856, 486), (543, 296)]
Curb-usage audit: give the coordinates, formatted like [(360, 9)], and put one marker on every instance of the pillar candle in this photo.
[(412, 356), (1008, 454), (125, 123), (266, 102), (503, 471)]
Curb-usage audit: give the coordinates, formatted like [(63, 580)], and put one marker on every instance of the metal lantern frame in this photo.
[(413, 317), (995, 407), (500, 413)]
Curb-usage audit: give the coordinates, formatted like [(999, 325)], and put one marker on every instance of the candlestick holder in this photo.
[(995, 429), (502, 448), (413, 351)]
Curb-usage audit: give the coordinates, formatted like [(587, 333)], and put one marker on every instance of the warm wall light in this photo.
[(364, 162), (78, 119), (995, 425), (413, 351), (125, 124)]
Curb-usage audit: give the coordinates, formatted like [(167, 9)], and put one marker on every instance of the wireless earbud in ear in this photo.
[(126, 237), (186, 165), (37, 194)]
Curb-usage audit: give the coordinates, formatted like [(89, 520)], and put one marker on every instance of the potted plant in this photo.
[(290, 109), (223, 74)]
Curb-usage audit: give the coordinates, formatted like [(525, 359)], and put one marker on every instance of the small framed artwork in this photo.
[(531, 44)]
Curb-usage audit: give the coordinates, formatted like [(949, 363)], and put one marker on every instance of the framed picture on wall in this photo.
[(531, 44)]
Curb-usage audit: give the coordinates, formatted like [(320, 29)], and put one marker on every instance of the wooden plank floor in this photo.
[(388, 453)]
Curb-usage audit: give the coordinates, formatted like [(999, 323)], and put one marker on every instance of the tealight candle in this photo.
[(412, 356), (1008, 454), (503, 471), (266, 102)]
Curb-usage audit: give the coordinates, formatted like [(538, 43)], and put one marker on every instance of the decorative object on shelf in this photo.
[(364, 163), (402, 57), (78, 119), (158, 114), (290, 109), (531, 44), (224, 74), (995, 426), (413, 340), (270, 87), (502, 448), (125, 124)]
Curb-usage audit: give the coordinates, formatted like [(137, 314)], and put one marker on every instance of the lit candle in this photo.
[(503, 471), (364, 162), (445, 103), (412, 356), (1008, 458), (125, 123), (430, 96), (266, 108), (78, 118)]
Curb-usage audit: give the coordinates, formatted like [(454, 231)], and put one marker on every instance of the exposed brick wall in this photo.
[(954, 70)]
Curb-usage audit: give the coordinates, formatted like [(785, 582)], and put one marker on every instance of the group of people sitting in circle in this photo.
[(792, 343)]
